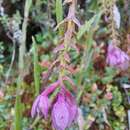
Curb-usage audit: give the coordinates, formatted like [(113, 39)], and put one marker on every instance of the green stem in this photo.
[(22, 48), (59, 14), (18, 114), (22, 51), (36, 67)]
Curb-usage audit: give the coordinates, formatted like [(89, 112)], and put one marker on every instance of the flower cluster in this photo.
[(63, 108), (117, 58)]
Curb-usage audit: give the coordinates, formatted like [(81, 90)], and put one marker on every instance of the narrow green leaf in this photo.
[(36, 67), (18, 114), (90, 25), (59, 14), (96, 20), (85, 28)]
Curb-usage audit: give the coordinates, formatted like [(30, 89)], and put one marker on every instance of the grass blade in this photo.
[(18, 114), (36, 67), (59, 14)]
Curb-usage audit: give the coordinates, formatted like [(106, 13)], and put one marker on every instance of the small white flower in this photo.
[(117, 17)]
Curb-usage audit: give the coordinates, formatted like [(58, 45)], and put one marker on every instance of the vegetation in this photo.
[(64, 64)]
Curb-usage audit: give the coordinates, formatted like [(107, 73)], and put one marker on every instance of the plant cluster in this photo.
[(64, 65)]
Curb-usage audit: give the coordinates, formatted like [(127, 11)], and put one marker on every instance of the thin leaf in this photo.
[(59, 14), (90, 25), (18, 114), (36, 67)]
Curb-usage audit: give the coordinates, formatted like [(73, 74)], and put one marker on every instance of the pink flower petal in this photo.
[(34, 107), (41, 106), (72, 107), (60, 114), (50, 88), (44, 105)]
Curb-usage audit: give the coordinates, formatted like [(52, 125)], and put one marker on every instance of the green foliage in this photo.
[(118, 108), (37, 20), (90, 25), (109, 75)]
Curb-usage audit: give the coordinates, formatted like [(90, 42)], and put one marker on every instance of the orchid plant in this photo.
[(115, 56), (63, 106)]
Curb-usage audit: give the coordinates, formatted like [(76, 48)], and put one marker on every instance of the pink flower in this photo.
[(72, 107), (42, 103), (64, 111), (63, 107), (60, 114), (41, 106), (117, 58)]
